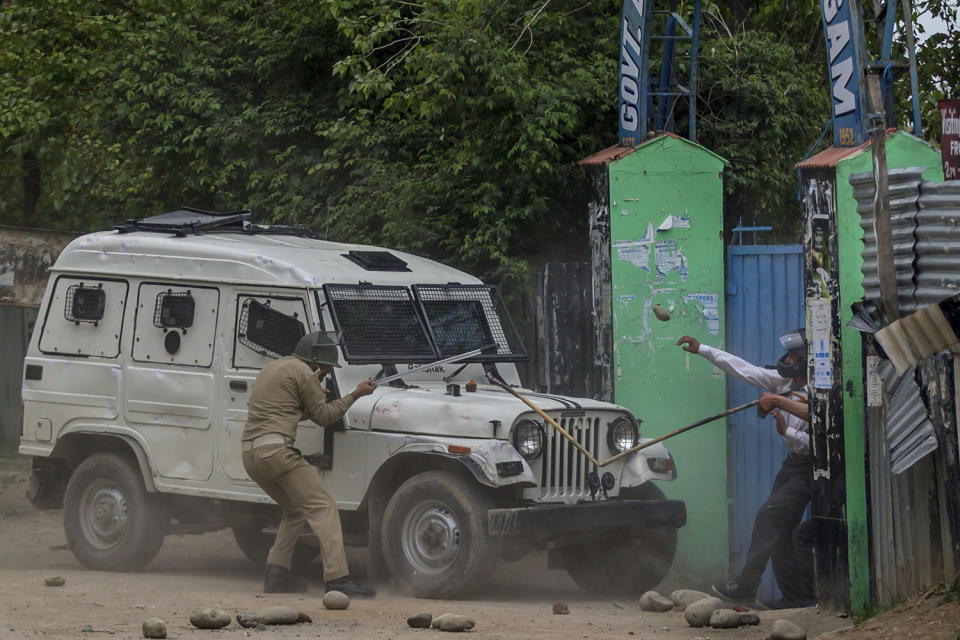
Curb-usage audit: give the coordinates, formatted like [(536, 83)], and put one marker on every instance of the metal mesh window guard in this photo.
[(84, 304), (173, 310), (379, 324), (466, 317), (268, 331)]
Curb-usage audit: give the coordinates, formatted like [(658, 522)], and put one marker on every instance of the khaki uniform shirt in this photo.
[(286, 392)]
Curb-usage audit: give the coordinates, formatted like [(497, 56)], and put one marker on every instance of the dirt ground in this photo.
[(193, 572)]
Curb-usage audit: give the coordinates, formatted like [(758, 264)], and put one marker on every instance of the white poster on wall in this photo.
[(819, 310), (874, 383)]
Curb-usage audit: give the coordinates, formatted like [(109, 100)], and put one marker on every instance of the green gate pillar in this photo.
[(664, 208)]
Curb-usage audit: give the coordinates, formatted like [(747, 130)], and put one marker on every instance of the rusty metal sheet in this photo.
[(26, 256)]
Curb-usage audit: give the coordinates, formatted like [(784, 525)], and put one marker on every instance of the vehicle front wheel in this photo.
[(630, 566), (111, 521), (435, 539)]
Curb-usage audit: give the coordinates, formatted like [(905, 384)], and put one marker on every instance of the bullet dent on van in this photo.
[(148, 343)]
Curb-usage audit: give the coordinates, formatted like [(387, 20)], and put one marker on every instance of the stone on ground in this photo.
[(248, 620), (685, 597), (154, 628), (653, 601), (749, 618), (420, 620), (698, 614), (786, 630), (560, 608), (278, 615), (304, 617), (453, 622), (336, 600), (54, 581), (211, 618), (725, 619)]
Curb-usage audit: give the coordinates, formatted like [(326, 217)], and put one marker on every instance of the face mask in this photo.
[(795, 369)]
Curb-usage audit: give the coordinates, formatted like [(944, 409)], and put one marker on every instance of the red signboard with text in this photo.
[(950, 138)]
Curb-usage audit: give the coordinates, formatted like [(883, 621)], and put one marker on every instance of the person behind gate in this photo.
[(774, 536), (287, 391)]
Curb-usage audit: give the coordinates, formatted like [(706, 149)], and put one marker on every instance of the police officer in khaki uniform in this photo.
[(287, 391)]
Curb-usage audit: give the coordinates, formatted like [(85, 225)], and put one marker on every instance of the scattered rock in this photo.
[(453, 622), (653, 601), (749, 618), (617, 605), (336, 600), (662, 314), (278, 615), (560, 608), (54, 581), (212, 618), (725, 619), (59, 547), (786, 630), (471, 386), (698, 614), (420, 620), (154, 628), (304, 617), (685, 597), (247, 620)]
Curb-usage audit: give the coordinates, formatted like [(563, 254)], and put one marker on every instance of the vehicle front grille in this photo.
[(564, 469)]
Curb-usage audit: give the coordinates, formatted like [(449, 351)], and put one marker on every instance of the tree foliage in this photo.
[(450, 128)]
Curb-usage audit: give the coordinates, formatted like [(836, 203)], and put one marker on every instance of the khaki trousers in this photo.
[(295, 485)]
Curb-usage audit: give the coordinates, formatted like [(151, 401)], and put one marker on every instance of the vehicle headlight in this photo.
[(622, 435), (528, 439)]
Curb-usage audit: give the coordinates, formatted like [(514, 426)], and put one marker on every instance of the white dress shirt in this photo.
[(797, 435)]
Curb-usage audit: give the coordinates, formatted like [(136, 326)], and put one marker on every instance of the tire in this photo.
[(434, 536), (255, 544), (629, 567), (111, 521)]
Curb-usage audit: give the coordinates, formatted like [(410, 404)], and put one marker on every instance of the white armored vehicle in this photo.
[(148, 343)]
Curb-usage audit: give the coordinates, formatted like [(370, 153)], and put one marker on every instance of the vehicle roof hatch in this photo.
[(376, 260)]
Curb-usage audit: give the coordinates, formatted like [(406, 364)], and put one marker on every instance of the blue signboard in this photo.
[(841, 27), (633, 74)]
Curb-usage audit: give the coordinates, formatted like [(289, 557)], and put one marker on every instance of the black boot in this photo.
[(282, 580), (349, 587)]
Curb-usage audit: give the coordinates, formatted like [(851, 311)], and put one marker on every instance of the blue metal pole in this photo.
[(694, 45)]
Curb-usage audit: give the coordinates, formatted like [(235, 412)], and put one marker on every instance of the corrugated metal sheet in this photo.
[(938, 242), (764, 301), (829, 157), (909, 433), (904, 190)]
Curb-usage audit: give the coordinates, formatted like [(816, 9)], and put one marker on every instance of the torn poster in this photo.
[(709, 306), (625, 300), (673, 221), (670, 258), (636, 252)]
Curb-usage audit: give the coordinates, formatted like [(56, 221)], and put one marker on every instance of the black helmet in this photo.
[(794, 342), (317, 348)]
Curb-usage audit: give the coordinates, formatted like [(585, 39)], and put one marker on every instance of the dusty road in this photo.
[(193, 572)]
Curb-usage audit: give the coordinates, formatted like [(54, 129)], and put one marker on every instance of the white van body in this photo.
[(120, 383)]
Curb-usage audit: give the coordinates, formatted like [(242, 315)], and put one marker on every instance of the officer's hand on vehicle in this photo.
[(781, 421), (365, 388), (768, 402), (689, 344)]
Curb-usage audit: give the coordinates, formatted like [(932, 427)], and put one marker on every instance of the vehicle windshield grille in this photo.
[(382, 324)]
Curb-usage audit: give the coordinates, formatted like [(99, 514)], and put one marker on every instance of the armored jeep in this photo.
[(148, 343)]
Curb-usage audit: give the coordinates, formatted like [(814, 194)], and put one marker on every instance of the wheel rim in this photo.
[(431, 537), (103, 514)]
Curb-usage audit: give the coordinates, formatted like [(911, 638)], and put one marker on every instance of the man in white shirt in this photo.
[(773, 528)]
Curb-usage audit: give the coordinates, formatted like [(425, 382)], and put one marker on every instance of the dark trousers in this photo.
[(773, 533)]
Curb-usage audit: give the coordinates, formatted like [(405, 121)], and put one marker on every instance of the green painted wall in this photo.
[(663, 385), (903, 150)]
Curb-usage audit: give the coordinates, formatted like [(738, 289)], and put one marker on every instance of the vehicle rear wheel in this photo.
[(631, 566), (111, 521), (435, 539), (255, 544)]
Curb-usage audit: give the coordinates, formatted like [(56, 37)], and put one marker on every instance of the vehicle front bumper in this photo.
[(557, 519)]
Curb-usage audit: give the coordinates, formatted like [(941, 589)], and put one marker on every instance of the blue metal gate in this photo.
[(764, 301)]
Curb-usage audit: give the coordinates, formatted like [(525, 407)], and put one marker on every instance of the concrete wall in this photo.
[(903, 150), (680, 269)]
